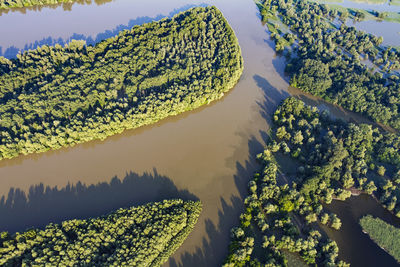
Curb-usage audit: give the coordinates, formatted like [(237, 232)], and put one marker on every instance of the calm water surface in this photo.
[(207, 154), (390, 31), (384, 6), (355, 246)]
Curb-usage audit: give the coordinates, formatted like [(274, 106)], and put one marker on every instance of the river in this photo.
[(206, 154)]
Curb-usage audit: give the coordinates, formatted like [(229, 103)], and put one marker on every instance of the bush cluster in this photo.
[(140, 236)]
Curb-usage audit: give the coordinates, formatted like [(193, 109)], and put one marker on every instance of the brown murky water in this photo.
[(207, 154), (335, 111)]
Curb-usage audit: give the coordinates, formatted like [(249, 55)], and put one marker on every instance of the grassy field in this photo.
[(294, 259)]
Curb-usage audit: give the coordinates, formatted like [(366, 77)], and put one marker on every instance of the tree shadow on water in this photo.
[(65, 6), (42, 205), (213, 249), (12, 51), (272, 97)]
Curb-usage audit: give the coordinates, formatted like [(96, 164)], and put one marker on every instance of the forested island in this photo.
[(334, 158), (139, 236), (54, 97), (328, 59), (385, 235)]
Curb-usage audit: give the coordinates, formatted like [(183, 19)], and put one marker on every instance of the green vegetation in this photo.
[(54, 97), (293, 260), (279, 229), (139, 236), (364, 14), (7, 4), (385, 235), (327, 60), (337, 156), (334, 157)]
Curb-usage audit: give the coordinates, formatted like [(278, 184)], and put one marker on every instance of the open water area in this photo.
[(206, 154)]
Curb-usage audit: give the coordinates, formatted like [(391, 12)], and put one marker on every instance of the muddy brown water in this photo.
[(206, 154)]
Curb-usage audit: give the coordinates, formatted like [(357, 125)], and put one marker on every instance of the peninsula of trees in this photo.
[(332, 158), (140, 236), (385, 235), (54, 97), (327, 58)]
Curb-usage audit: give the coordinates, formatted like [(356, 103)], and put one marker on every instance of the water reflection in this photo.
[(12, 51), (210, 152)]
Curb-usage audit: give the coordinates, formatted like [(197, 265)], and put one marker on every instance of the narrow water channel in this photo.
[(355, 246)]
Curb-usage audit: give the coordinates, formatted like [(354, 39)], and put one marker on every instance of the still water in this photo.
[(355, 246), (390, 31), (381, 5), (207, 154)]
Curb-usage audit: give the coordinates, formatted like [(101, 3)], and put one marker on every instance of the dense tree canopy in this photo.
[(53, 97), (140, 236), (333, 158), (274, 215), (329, 59), (336, 155), (384, 234)]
